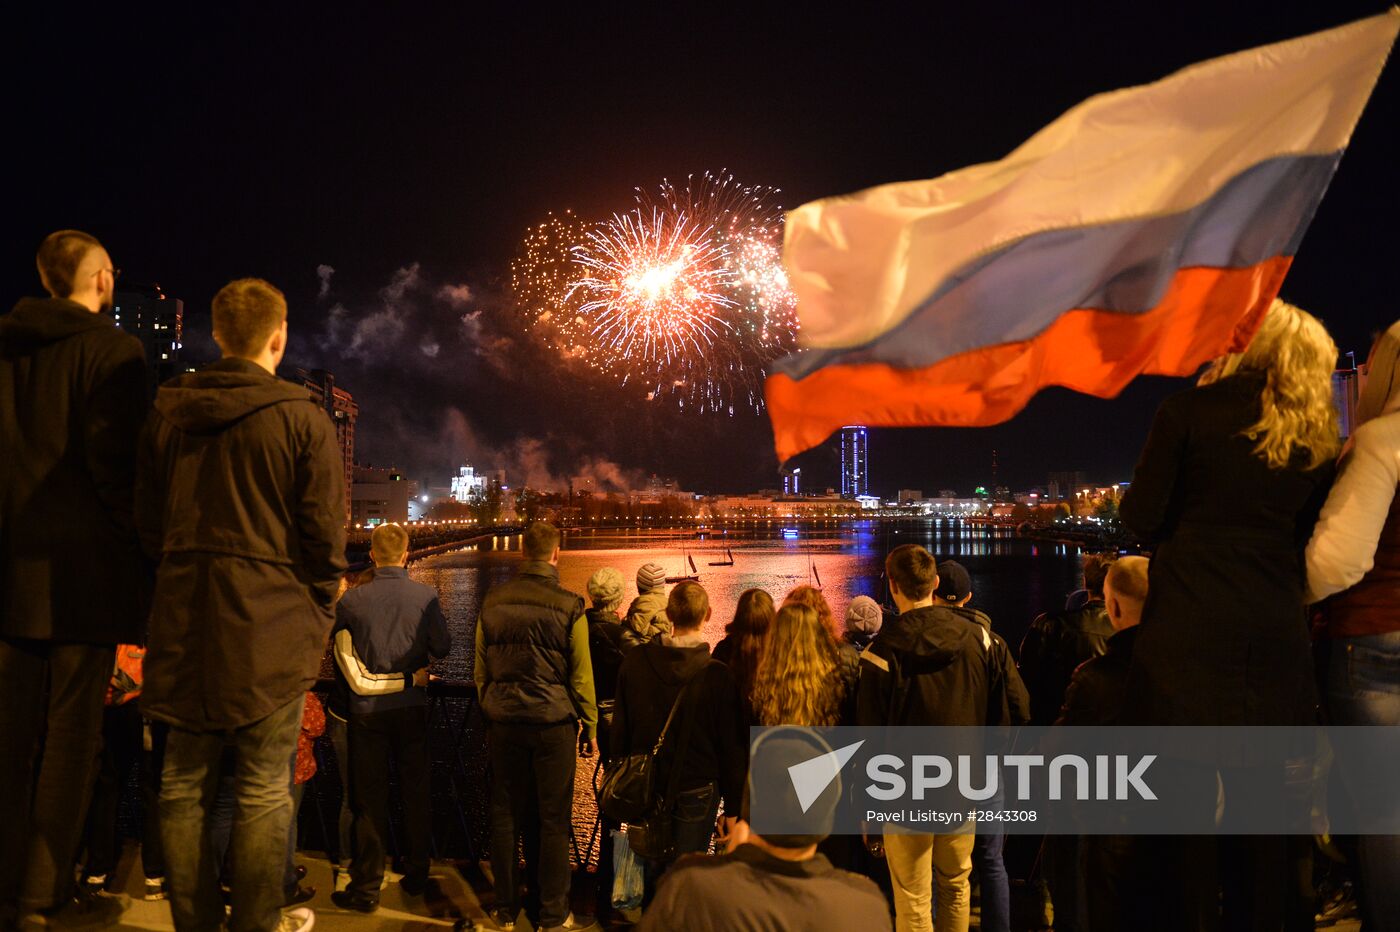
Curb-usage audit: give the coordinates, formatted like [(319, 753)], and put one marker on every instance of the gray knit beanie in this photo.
[(605, 587), (651, 576), (864, 615)]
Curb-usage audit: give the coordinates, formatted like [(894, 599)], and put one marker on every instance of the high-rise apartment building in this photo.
[(855, 461), (340, 407), (156, 319)]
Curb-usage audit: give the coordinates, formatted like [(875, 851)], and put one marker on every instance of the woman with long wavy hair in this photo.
[(812, 597), (849, 672), (796, 681), (744, 638), (1226, 492)]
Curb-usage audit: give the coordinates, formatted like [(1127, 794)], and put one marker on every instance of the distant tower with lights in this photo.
[(855, 461)]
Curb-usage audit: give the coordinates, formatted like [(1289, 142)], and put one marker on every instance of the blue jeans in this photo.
[(693, 817), (996, 886), (258, 847), (990, 865), (220, 821), (1363, 688)]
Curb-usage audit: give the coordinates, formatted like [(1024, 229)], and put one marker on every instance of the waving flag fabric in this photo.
[(1145, 231)]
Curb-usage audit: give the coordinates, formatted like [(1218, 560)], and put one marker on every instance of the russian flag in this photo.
[(1146, 231)]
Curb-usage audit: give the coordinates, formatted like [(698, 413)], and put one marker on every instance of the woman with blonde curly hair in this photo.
[(1226, 492), (849, 672), (796, 681)]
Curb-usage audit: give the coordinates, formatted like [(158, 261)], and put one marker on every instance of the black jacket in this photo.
[(241, 497), (752, 891), (1017, 708), (1098, 693), (647, 685), (931, 666), (532, 663), (396, 626), (605, 651), (1224, 639), (1054, 646), (72, 399)]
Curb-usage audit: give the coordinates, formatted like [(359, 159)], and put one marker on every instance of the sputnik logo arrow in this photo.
[(811, 777)]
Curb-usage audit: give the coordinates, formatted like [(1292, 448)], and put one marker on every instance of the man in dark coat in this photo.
[(1117, 882), (536, 686), (1054, 646), (72, 584), (706, 747), (988, 851), (928, 666), (1058, 642), (241, 497)]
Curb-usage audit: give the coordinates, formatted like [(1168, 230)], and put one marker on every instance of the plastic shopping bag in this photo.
[(627, 874)]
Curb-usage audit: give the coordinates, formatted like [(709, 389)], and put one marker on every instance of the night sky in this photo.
[(381, 163)]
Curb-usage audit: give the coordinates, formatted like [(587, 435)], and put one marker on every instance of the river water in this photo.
[(1013, 579)]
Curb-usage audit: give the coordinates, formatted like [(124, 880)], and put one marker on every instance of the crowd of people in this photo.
[(172, 575)]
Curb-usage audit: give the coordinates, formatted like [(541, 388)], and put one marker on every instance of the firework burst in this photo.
[(685, 294), (654, 287)]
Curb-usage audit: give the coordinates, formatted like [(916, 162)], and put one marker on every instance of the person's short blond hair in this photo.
[(388, 544), (247, 312), (58, 259), (1127, 579)]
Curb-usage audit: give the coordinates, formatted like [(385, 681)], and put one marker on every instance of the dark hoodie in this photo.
[(72, 399), (1002, 668), (648, 682), (241, 497), (930, 666)]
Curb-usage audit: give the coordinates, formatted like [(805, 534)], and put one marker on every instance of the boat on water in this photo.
[(727, 561), (694, 573)]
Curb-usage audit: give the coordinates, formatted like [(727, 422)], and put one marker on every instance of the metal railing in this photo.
[(460, 785)]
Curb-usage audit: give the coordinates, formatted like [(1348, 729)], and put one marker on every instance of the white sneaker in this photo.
[(297, 920), (341, 879)]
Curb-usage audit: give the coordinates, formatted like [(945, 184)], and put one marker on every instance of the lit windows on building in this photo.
[(156, 319), (855, 461)]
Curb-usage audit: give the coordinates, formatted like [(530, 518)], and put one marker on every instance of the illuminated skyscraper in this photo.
[(855, 461)]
